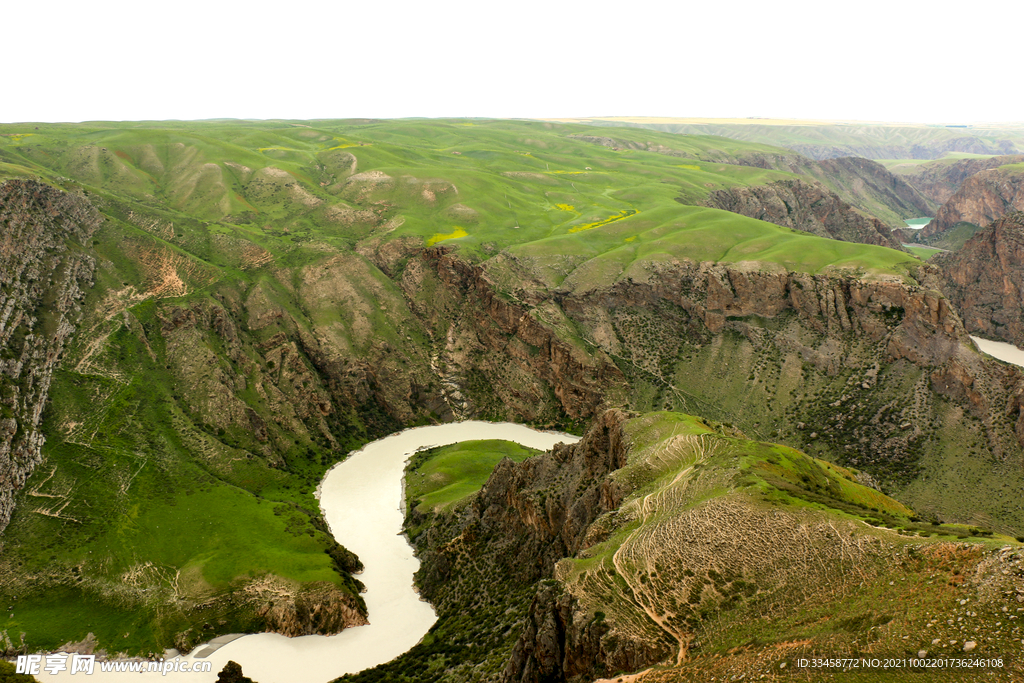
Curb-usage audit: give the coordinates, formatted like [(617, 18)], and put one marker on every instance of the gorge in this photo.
[(731, 329)]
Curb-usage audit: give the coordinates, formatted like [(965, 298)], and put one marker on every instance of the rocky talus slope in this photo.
[(984, 279), (981, 199), (44, 273)]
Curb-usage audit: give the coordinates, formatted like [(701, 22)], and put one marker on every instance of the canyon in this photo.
[(216, 330)]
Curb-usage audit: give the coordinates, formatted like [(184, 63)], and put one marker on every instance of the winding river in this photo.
[(361, 498), (1001, 350)]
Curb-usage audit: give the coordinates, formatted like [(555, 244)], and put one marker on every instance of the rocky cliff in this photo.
[(981, 199), (798, 358), (860, 182), (44, 273), (985, 280), (939, 180), (795, 204)]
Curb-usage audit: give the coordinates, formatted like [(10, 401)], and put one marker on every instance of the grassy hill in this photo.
[(483, 185)]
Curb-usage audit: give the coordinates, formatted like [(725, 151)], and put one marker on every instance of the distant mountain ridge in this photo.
[(829, 140)]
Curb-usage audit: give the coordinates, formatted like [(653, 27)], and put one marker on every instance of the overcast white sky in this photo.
[(866, 60)]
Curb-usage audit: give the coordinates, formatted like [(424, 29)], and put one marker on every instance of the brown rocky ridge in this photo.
[(981, 199), (984, 279)]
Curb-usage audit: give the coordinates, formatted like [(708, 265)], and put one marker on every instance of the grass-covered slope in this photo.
[(735, 556), (483, 185), (704, 555), (438, 478)]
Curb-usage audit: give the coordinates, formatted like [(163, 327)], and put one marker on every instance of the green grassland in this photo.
[(924, 253), (482, 186), (438, 478), (955, 237)]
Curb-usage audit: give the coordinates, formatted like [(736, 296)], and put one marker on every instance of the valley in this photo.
[(783, 414)]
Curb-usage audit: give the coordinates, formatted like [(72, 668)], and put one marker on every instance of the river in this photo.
[(361, 498), (1001, 350)]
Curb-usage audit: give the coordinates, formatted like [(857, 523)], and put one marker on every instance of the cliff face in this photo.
[(43, 276), (860, 182), (582, 382), (981, 199), (794, 357), (939, 181), (985, 280), (537, 511), (795, 204), (480, 565)]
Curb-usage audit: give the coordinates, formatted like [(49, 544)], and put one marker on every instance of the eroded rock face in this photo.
[(939, 182), (580, 381), (43, 278), (528, 516), (985, 280), (795, 204), (981, 199)]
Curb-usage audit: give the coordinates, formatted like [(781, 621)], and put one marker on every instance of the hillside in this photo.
[(939, 179), (978, 201), (831, 139), (269, 296), (675, 547)]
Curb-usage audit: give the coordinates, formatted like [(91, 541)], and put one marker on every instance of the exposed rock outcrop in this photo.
[(581, 381), (43, 278), (860, 182), (938, 181), (534, 512), (795, 204), (985, 280), (981, 199)]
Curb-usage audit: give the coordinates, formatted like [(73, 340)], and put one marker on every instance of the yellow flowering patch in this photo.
[(690, 167), (565, 207), (630, 239), (604, 221), (440, 237), (17, 137)]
